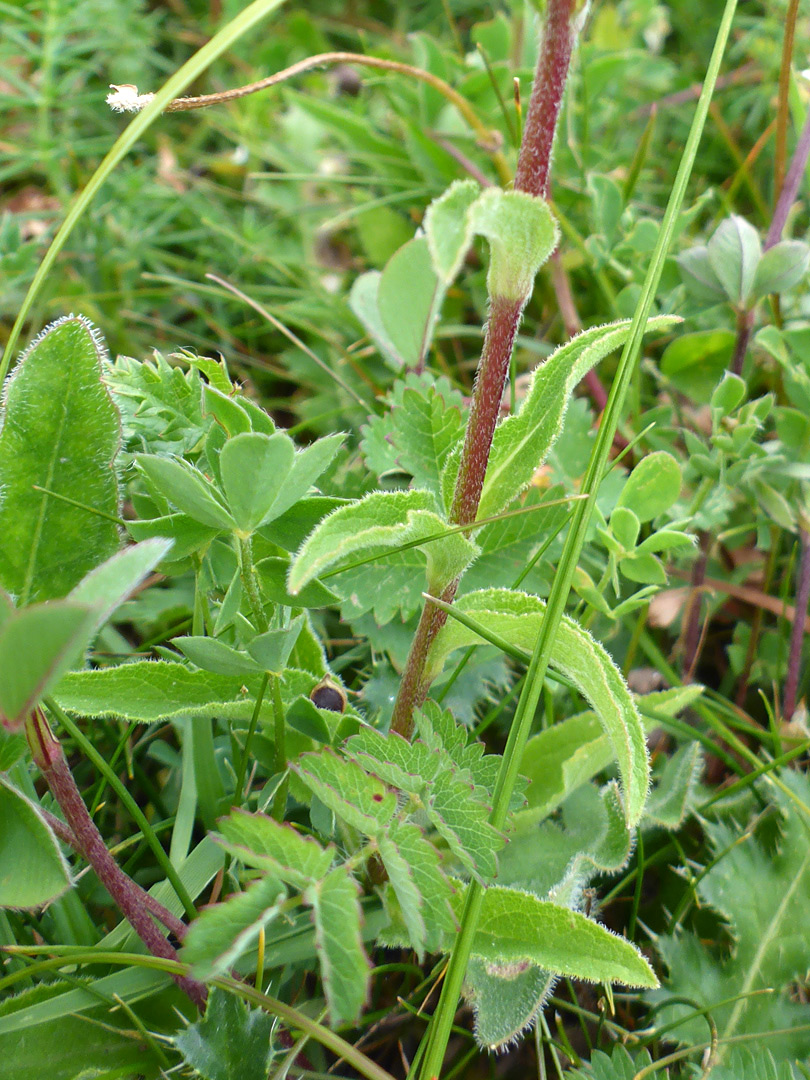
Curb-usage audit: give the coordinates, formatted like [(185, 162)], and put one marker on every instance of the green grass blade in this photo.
[(171, 89), (439, 1031)]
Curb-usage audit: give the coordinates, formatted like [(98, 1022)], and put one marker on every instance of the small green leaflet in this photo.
[(344, 964)]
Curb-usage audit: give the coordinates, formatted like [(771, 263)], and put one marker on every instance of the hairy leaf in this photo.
[(517, 927), (344, 964), (516, 617), (223, 932), (60, 432), (260, 841), (382, 520), (231, 1042), (522, 442), (32, 869)]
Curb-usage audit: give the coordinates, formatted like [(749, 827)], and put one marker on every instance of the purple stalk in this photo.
[(50, 759), (790, 188), (532, 176), (162, 914), (797, 630)]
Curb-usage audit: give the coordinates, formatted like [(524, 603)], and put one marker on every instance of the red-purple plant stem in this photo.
[(790, 188), (797, 630), (50, 759), (559, 36), (162, 914), (745, 326), (532, 176)]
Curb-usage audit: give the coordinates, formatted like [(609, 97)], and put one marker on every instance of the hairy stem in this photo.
[(50, 759), (533, 170), (489, 140), (797, 630), (64, 833)]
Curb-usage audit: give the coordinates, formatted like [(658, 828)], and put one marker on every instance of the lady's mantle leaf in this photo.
[(516, 617), (60, 432)]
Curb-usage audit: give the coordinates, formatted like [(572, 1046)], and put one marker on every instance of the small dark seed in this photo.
[(327, 695)]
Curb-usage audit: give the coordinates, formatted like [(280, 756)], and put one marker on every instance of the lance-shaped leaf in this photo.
[(516, 617), (344, 964), (382, 521), (521, 442), (224, 932), (409, 296), (32, 869), (60, 432), (38, 644), (448, 227), (108, 586), (517, 927)]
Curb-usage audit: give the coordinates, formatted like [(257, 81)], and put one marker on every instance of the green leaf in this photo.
[(187, 488), (361, 800), (448, 228), (506, 999), (618, 1066), (32, 869), (108, 586), (695, 362), (653, 486), (464, 823), (259, 841), (728, 395), (671, 798), (37, 645), (272, 573), (271, 650), (422, 891), (759, 885), (782, 267), (517, 617), (422, 423), (150, 690), (307, 466), (380, 521), (344, 964), (363, 302), (522, 442), (105, 1046), (734, 254), (186, 534), (60, 432), (226, 410), (408, 300), (231, 1042), (212, 655), (254, 469), (517, 927), (223, 932), (521, 232), (699, 276)]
